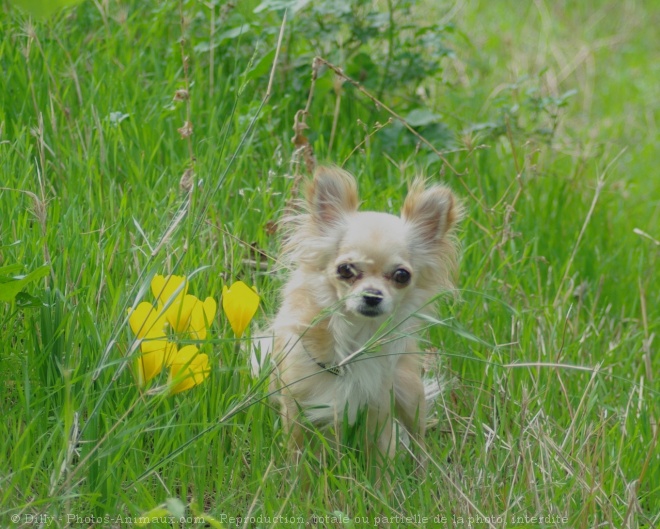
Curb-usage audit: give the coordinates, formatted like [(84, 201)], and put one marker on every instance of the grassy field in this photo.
[(542, 116)]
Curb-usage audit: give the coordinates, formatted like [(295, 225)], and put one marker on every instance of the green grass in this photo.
[(548, 112)]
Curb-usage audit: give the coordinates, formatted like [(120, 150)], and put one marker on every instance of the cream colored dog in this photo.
[(344, 339)]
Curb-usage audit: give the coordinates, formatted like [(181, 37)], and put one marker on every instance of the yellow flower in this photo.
[(155, 355), (146, 321), (191, 316), (201, 317), (182, 313), (163, 288), (188, 369), (178, 314), (240, 304), (178, 304), (148, 325)]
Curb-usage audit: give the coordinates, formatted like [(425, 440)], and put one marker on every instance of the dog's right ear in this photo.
[(331, 195), (432, 212)]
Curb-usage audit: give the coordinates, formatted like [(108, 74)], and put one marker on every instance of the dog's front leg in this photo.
[(380, 444), (292, 428), (410, 403)]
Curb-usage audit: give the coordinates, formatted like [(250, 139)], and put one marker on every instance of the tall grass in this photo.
[(543, 117)]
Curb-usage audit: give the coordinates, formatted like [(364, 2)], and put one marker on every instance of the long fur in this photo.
[(344, 339)]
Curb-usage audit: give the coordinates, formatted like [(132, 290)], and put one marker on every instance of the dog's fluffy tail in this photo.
[(433, 388)]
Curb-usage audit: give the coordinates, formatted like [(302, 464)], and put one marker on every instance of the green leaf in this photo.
[(262, 67), (420, 117), (3, 246), (9, 269), (12, 286), (43, 8), (25, 301), (230, 34)]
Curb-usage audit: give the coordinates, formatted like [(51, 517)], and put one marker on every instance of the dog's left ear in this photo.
[(331, 194), (432, 212)]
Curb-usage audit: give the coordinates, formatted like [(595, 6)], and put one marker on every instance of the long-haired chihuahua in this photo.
[(343, 344)]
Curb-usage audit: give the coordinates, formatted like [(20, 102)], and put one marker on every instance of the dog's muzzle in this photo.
[(371, 299)]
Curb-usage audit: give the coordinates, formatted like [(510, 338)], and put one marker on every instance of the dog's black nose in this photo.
[(372, 297)]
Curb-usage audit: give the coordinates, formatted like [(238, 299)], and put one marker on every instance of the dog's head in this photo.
[(376, 263)]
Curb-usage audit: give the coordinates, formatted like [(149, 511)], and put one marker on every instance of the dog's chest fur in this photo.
[(364, 379)]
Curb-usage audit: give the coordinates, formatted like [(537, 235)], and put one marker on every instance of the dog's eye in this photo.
[(401, 276), (346, 271)]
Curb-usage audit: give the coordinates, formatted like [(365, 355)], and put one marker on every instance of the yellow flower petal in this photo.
[(178, 313), (156, 354), (146, 321), (164, 287), (240, 304), (202, 317), (188, 369), (172, 302)]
